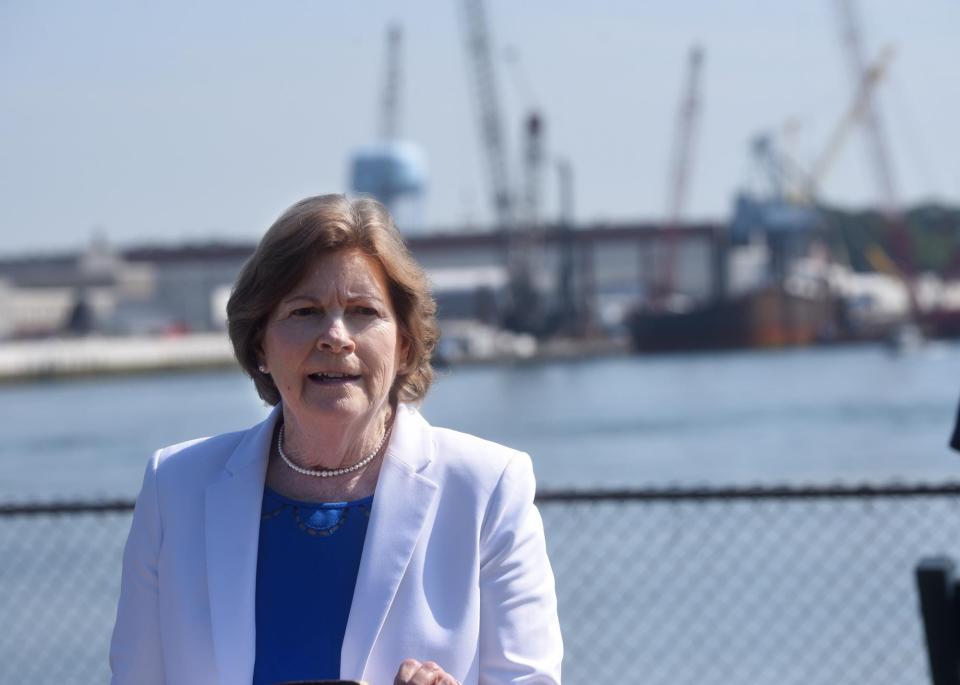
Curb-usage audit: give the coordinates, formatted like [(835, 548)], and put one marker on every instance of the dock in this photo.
[(102, 355)]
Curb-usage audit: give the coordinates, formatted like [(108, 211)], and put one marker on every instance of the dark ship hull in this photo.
[(765, 318)]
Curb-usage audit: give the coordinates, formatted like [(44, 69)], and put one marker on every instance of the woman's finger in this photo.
[(407, 668), (413, 672), (429, 673)]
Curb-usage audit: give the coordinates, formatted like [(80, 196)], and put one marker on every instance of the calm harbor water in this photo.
[(718, 593), (853, 414)]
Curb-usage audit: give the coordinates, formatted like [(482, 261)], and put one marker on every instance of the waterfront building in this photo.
[(184, 288)]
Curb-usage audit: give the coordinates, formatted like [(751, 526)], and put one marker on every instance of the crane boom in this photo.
[(685, 136), (877, 143), (687, 120), (488, 103), (390, 101), (858, 110), (882, 167)]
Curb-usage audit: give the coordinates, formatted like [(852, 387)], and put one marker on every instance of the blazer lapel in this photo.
[(232, 533), (401, 504)]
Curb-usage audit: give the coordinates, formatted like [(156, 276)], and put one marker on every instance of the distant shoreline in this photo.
[(25, 361), (56, 358)]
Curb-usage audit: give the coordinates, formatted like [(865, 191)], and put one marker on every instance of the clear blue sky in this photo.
[(161, 122)]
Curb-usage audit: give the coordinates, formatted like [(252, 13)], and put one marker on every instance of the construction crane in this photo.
[(687, 121), (858, 111), (524, 309), (853, 43), (526, 245), (572, 313), (488, 104), (390, 99), (880, 157), (533, 167)]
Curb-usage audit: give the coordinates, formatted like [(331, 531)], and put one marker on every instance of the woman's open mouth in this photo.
[(332, 378)]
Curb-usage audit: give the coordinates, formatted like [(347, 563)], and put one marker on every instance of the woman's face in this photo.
[(332, 345)]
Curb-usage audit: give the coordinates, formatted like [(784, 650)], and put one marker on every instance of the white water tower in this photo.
[(393, 171)]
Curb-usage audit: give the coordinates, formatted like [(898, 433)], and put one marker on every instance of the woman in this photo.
[(344, 536)]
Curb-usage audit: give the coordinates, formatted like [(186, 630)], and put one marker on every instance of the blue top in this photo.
[(307, 567)]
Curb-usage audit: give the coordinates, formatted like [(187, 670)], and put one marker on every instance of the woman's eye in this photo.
[(365, 311), (302, 311)]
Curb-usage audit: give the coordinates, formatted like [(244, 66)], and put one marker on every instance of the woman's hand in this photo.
[(413, 672)]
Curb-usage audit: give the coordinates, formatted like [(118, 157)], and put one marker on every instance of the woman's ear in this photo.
[(261, 360), (405, 363)]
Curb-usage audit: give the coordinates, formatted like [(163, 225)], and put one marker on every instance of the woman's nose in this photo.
[(334, 337)]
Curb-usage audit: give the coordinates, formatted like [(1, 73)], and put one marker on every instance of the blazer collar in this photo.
[(402, 505), (233, 504), (254, 448), (411, 444)]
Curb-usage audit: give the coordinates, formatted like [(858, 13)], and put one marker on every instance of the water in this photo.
[(815, 591), (849, 414)]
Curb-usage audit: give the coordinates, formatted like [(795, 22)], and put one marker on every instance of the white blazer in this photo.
[(454, 566)]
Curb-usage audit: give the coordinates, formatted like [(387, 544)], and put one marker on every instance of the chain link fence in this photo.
[(706, 587), (59, 582), (774, 586)]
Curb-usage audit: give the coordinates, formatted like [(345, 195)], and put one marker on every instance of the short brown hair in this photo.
[(317, 225)]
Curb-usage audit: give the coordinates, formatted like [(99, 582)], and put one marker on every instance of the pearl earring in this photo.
[(262, 369)]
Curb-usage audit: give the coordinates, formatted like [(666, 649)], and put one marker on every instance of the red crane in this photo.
[(687, 121)]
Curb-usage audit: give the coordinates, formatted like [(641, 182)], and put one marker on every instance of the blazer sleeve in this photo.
[(135, 650), (520, 638)]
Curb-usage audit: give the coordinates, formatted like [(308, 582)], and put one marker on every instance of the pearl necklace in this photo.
[(327, 473)]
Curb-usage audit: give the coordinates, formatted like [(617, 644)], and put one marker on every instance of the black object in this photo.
[(955, 438), (940, 606)]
